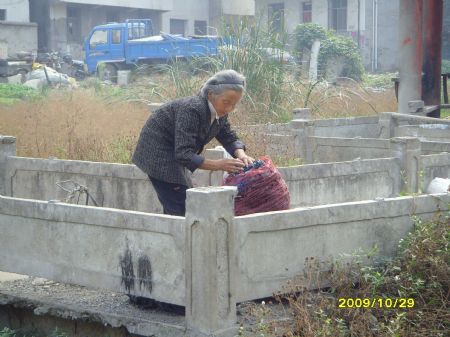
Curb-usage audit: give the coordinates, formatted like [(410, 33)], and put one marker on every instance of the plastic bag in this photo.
[(261, 188), (438, 185)]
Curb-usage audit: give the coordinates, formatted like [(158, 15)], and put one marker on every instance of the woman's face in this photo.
[(225, 102)]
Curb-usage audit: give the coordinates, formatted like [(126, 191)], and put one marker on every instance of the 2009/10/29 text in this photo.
[(382, 303)]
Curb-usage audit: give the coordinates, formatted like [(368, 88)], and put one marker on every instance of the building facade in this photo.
[(17, 33), (372, 23), (64, 24)]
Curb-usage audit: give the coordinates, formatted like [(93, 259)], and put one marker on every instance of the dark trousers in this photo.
[(171, 196)]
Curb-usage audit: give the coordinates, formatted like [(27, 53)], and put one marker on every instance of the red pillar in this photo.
[(432, 53)]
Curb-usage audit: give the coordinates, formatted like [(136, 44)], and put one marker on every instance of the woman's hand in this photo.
[(242, 156), (230, 165)]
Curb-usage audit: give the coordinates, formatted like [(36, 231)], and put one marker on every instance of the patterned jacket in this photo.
[(174, 136)]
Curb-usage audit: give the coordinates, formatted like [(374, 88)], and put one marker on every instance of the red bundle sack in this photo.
[(261, 188)]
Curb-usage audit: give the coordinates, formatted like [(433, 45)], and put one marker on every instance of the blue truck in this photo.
[(120, 46)]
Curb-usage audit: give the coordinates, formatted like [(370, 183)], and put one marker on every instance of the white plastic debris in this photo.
[(438, 185)]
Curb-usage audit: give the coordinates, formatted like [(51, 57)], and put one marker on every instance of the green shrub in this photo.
[(332, 46), (305, 34), (12, 93), (336, 46)]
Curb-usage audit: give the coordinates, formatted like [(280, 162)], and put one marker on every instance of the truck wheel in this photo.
[(107, 72)]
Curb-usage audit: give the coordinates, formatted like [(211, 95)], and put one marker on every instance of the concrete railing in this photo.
[(331, 183), (339, 127), (111, 185), (136, 253), (272, 247), (435, 147), (425, 132), (432, 166), (207, 261)]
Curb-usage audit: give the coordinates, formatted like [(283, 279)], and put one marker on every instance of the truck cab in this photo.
[(107, 43)]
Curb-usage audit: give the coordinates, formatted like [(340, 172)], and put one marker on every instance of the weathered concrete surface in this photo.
[(11, 276), (267, 242), (328, 149), (111, 185), (7, 148), (77, 311), (432, 166), (19, 36), (131, 252), (81, 311), (210, 263), (429, 147), (425, 132), (331, 183), (366, 127)]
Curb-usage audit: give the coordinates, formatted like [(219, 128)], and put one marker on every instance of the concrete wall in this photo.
[(131, 252), (111, 185), (433, 166), (207, 261), (238, 7), (17, 37), (188, 11), (17, 10), (425, 132), (320, 184), (164, 5), (330, 149), (435, 147), (268, 242), (367, 127)]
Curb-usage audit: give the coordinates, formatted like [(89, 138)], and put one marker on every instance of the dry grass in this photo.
[(103, 125), (420, 272), (73, 125)]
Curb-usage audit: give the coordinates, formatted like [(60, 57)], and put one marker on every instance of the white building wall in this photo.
[(291, 14), (163, 5), (320, 12), (238, 7), (16, 10), (190, 11)]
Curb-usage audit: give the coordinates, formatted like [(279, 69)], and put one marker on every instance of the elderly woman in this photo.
[(174, 136)]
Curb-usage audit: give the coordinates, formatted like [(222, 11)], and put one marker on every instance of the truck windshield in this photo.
[(99, 37)]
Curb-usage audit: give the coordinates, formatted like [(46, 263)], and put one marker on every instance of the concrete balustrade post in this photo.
[(408, 149), (7, 148), (303, 129), (386, 125), (215, 177), (211, 262)]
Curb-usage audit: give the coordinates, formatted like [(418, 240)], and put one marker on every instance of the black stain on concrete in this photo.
[(126, 265), (145, 273)]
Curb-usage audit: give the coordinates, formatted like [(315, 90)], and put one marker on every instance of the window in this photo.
[(116, 36), (99, 37), (73, 24), (337, 15), (177, 26), (306, 12), (276, 17), (2, 14), (200, 28)]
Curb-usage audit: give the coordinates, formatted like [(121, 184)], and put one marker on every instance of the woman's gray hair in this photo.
[(222, 81)]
